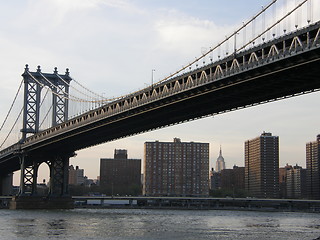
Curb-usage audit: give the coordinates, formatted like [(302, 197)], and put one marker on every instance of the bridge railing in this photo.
[(11, 149), (285, 46)]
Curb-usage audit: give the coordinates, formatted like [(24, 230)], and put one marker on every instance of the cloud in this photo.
[(76, 4), (177, 32), (61, 8)]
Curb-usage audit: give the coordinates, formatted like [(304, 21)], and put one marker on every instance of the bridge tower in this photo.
[(58, 162), (33, 84)]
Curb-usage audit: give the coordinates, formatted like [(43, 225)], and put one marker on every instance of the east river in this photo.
[(141, 224)]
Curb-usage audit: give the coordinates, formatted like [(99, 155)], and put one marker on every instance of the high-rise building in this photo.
[(262, 166), (220, 164), (120, 175), (296, 182), (76, 176), (176, 168), (313, 168)]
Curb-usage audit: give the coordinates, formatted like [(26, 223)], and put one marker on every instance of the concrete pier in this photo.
[(35, 202)]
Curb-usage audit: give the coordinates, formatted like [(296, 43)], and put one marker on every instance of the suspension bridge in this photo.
[(274, 55)]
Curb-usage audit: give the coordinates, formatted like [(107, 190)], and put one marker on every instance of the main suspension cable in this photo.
[(14, 100), (14, 124), (280, 20)]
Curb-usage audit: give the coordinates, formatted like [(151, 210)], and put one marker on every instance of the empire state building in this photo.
[(220, 164)]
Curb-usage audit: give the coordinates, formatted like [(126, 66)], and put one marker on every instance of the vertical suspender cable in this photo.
[(263, 24), (297, 16), (309, 12), (285, 20)]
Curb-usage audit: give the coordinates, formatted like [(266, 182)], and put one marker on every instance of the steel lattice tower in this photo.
[(33, 84)]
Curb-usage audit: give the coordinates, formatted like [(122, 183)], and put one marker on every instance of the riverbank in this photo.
[(190, 203), (193, 203)]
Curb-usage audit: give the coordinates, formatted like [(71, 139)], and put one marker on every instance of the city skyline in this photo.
[(212, 159), (97, 39)]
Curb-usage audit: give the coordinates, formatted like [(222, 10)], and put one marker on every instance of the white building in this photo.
[(76, 175)]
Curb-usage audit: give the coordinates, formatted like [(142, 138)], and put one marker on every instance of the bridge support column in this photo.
[(58, 197), (6, 184), (28, 178), (59, 176)]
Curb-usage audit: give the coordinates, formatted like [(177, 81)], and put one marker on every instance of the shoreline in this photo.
[(166, 203)]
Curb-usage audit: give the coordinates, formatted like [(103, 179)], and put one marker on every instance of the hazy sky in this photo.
[(111, 46)]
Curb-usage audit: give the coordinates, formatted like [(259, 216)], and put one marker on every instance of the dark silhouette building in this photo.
[(232, 178), (238, 177), (313, 168), (283, 173), (262, 166), (215, 180), (120, 175)]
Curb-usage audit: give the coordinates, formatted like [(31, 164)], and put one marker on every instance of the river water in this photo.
[(142, 224)]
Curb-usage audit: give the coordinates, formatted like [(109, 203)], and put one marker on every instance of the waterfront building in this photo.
[(176, 168), (120, 175), (283, 173), (220, 164), (215, 180), (313, 168), (232, 178), (262, 166), (227, 179), (296, 182), (238, 177), (76, 176)]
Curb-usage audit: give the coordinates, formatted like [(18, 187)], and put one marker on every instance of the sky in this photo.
[(111, 47)]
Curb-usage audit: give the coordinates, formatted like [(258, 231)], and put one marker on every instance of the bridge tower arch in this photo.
[(58, 195), (59, 175)]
